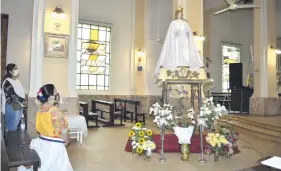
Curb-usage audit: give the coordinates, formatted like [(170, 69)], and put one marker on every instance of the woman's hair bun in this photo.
[(45, 92)]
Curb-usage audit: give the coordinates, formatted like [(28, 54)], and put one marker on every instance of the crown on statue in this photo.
[(179, 10)]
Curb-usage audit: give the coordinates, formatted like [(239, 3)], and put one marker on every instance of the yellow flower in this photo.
[(141, 133), (141, 141), (217, 135), (139, 150), (131, 133), (138, 125), (149, 132)]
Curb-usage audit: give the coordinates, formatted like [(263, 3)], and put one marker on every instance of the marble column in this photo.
[(36, 61), (72, 58), (71, 102), (264, 100), (139, 76), (37, 47)]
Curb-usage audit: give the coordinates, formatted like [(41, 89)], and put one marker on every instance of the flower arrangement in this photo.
[(232, 137), (141, 139), (184, 126), (223, 143), (185, 120), (162, 115), (216, 142), (209, 113)]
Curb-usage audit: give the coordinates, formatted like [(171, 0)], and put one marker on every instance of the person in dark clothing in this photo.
[(13, 97)]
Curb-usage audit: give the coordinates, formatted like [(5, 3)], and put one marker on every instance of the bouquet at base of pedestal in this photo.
[(184, 130), (142, 143), (164, 119), (223, 143), (209, 114)]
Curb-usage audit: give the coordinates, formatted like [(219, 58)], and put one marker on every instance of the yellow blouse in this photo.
[(50, 121)]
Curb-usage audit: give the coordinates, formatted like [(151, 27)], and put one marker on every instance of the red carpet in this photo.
[(171, 143)]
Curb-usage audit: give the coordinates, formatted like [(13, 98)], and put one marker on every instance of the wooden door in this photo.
[(4, 38)]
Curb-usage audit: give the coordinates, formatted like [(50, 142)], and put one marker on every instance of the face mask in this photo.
[(15, 73)]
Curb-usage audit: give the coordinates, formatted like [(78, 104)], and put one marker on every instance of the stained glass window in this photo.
[(230, 54), (93, 67)]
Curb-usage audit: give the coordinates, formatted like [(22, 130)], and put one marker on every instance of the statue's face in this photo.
[(179, 16)]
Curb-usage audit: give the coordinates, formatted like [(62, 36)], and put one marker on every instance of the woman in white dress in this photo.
[(51, 126)]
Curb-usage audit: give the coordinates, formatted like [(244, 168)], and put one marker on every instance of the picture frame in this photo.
[(56, 45)]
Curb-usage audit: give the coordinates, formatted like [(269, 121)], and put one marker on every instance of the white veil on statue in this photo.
[(179, 48)]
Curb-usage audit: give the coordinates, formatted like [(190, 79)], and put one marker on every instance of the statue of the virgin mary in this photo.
[(179, 48)]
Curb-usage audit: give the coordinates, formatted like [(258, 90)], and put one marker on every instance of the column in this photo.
[(36, 61), (264, 56), (265, 100), (72, 59), (139, 76), (37, 47)]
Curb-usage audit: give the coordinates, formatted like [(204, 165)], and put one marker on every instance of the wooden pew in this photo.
[(222, 98), (110, 111), (84, 111), (134, 115), (15, 149)]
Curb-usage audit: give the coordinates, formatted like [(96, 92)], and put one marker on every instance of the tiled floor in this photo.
[(103, 150)]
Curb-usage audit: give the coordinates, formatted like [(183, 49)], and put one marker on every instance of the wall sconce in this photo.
[(277, 51), (199, 37), (58, 12), (140, 54)]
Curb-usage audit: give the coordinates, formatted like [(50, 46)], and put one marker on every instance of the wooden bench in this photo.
[(222, 98), (134, 115), (119, 106), (16, 150), (84, 111), (110, 111)]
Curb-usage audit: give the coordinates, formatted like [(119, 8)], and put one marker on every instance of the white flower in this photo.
[(134, 146), (151, 110)]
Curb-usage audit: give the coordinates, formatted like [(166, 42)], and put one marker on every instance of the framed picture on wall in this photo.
[(56, 45)]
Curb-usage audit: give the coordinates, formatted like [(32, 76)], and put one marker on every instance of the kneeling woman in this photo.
[(52, 127)]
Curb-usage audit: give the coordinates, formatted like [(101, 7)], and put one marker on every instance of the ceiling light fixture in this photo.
[(58, 12)]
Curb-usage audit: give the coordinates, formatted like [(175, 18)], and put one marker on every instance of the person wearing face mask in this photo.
[(13, 97), (52, 127)]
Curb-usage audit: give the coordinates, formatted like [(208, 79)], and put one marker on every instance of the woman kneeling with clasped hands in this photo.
[(52, 126)]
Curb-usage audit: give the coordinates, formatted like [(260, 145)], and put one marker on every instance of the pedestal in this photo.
[(183, 94)]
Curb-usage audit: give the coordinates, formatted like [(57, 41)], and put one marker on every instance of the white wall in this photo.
[(19, 35), (119, 13), (232, 27), (153, 48)]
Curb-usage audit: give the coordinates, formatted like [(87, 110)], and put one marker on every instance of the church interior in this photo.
[(102, 56)]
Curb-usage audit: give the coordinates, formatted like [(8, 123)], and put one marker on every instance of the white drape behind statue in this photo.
[(179, 49)]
